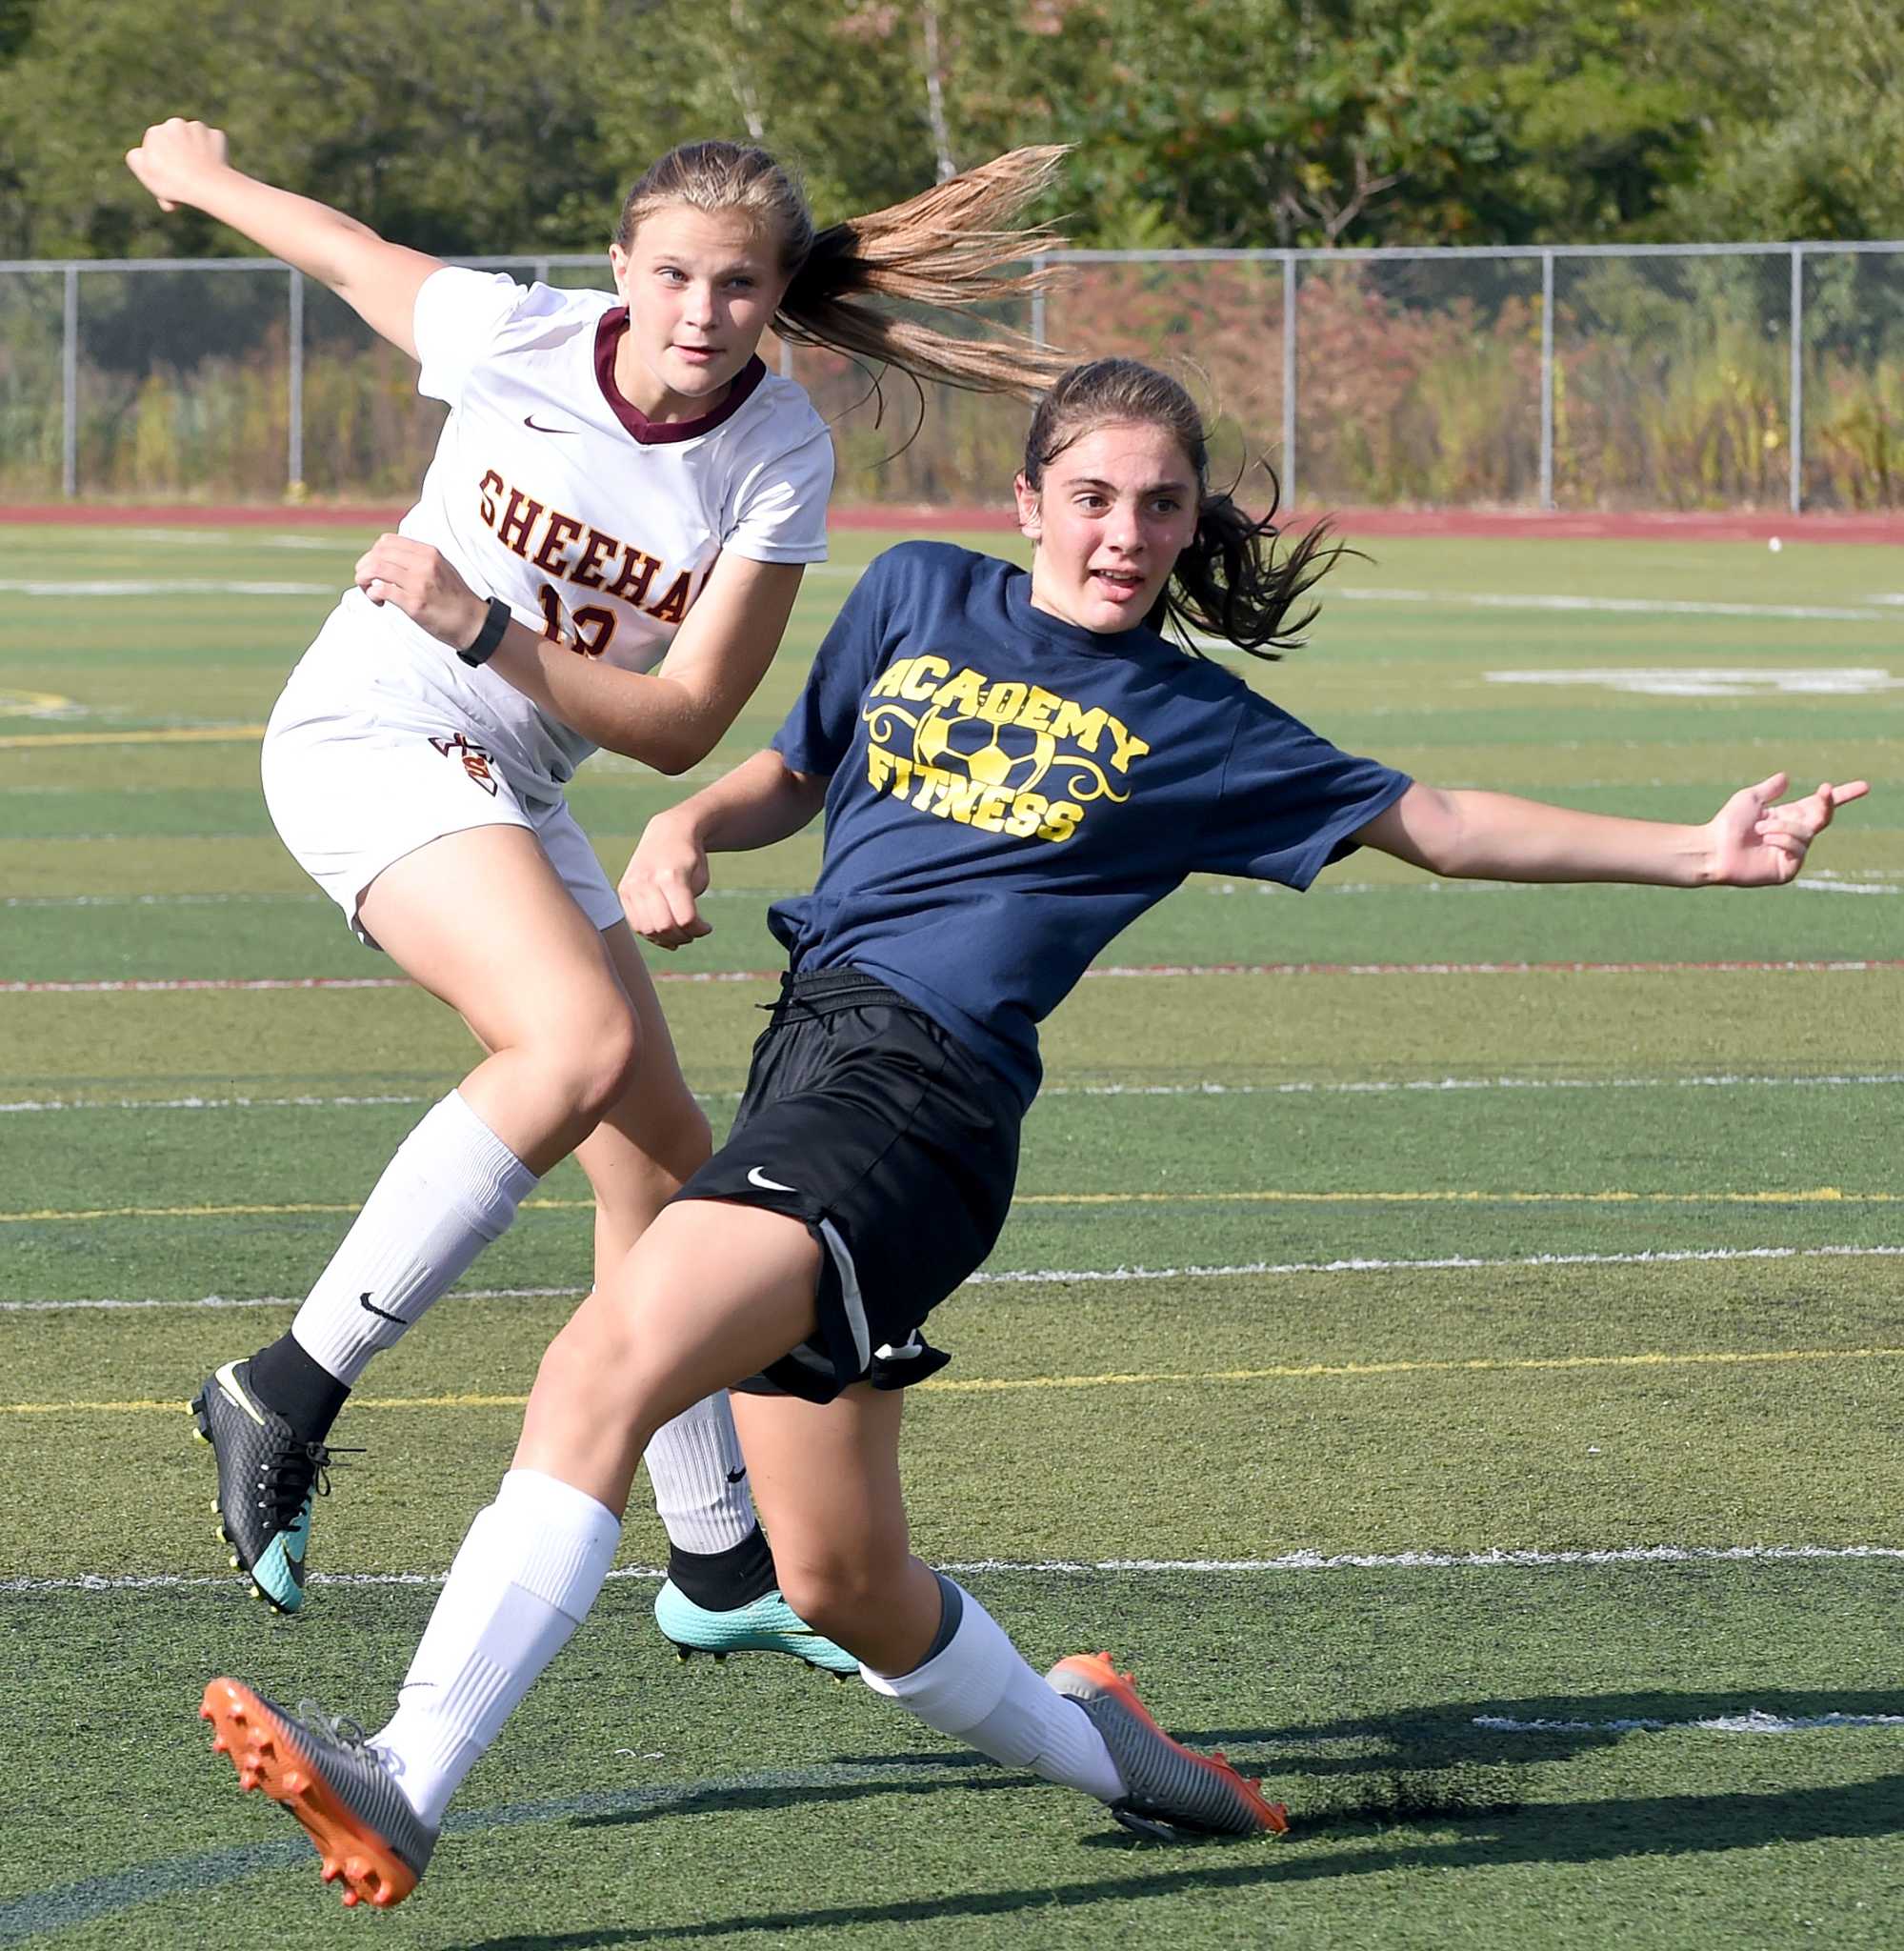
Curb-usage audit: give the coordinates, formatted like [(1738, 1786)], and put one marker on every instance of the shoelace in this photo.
[(336, 1727), (295, 1471)]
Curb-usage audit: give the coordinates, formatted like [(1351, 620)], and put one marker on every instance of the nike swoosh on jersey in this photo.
[(735, 1475), (530, 421), (757, 1178)]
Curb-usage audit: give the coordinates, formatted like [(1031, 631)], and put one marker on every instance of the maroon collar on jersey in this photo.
[(650, 432)]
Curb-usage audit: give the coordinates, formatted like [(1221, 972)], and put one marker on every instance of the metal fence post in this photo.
[(295, 406), (1796, 462), (69, 378), (1547, 379), (1289, 378)]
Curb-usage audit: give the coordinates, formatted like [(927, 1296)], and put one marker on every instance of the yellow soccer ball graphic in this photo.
[(1010, 755)]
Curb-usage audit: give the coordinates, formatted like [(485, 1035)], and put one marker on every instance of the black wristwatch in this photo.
[(494, 626)]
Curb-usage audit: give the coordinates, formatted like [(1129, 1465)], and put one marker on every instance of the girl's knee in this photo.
[(594, 1354), (597, 1054), (835, 1590)]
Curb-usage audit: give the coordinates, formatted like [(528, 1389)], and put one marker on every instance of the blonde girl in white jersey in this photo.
[(620, 482)]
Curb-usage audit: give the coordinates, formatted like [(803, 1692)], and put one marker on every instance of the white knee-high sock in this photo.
[(699, 1479), (451, 1188), (978, 1688), (526, 1573)]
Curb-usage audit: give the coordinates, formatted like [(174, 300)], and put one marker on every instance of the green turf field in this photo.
[(1448, 1341)]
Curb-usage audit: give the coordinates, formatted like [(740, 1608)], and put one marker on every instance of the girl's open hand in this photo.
[(1759, 843)]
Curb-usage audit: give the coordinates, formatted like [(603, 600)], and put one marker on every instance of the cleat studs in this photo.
[(332, 1869), (839, 1680), (352, 1900), (295, 1781), (720, 1658)]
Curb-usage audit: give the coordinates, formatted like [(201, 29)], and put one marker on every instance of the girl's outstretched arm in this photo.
[(762, 800), (184, 163), (1751, 841)]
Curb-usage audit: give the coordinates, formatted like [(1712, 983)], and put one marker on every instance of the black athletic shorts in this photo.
[(869, 1121)]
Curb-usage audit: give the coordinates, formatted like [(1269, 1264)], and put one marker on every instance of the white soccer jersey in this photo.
[(551, 491)]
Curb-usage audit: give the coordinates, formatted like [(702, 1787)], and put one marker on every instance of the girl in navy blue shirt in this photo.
[(1014, 767)]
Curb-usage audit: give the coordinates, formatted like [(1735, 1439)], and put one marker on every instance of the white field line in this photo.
[(1100, 1275), (1619, 606), (226, 900), (1876, 882), (1753, 1721), (1208, 1088), (1075, 1568), (179, 586), (835, 571), (186, 985)]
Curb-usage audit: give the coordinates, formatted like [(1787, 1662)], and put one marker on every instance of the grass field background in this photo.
[(1426, 1307)]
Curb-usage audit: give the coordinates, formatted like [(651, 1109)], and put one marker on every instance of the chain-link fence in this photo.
[(1693, 377)]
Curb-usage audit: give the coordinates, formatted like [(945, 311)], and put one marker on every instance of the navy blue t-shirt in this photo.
[(1010, 790)]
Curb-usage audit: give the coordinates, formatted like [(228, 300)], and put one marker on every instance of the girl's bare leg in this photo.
[(710, 1294), (481, 919), (827, 1479), (649, 1142)]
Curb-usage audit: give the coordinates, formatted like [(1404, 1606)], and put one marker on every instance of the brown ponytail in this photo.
[(1230, 581), (950, 250)]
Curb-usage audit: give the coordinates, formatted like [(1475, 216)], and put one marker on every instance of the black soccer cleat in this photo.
[(267, 1480)]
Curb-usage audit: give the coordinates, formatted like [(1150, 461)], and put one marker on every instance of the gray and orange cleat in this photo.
[(323, 1770), (1169, 1791)]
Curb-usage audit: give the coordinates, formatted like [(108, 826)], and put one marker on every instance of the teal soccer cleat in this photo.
[(766, 1625)]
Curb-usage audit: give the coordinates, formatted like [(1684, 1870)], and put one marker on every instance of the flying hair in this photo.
[(1231, 581), (952, 249)]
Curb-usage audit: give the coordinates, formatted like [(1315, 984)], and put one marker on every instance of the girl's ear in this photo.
[(1029, 521), (618, 265)]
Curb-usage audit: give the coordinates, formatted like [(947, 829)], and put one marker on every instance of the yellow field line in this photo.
[(177, 735), (1824, 1194), (1304, 1372), (1817, 1194)]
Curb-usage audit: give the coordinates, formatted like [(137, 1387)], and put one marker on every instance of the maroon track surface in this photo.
[(1631, 525)]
